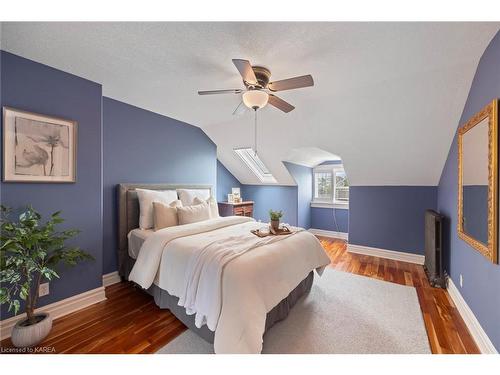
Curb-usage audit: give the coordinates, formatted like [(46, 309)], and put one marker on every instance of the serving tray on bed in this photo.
[(280, 232)]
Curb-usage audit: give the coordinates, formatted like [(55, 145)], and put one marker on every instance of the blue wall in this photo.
[(225, 181), (34, 87), (272, 197), (481, 278), (303, 178), (142, 146), (116, 143), (390, 217), (292, 200), (332, 219)]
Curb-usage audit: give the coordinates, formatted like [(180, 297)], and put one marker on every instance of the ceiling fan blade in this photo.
[(246, 71), (291, 83), (280, 103), (240, 109), (212, 92)]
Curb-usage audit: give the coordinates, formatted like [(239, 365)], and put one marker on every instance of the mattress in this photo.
[(136, 238)]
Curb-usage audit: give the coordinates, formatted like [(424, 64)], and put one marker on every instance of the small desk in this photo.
[(244, 208)]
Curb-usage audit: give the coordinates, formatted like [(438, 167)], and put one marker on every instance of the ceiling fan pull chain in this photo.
[(255, 131)]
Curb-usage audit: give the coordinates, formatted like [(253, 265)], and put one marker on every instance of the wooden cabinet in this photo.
[(244, 208)]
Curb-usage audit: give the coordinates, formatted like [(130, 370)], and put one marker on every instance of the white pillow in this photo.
[(187, 195), (193, 214), (146, 199), (165, 216), (214, 208)]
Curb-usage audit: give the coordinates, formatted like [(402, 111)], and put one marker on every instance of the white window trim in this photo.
[(250, 163), (322, 203)]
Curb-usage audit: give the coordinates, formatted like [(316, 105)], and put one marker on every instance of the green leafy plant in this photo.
[(275, 215), (30, 252)]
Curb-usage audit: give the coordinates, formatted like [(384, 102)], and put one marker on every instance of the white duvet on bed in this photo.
[(234, 296)]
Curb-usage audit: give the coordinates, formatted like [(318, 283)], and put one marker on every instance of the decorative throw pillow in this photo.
[(187, 195), (165, 216), (214, 208), (146, 199), (193, 214)]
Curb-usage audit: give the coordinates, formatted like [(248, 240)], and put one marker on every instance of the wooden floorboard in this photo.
[(129, 321)]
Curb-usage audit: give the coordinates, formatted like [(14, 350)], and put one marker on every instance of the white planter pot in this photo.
[(29, 335)]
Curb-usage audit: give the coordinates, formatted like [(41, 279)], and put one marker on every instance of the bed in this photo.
[(235, 301)]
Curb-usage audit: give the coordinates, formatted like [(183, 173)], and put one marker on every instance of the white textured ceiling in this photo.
[(387, 96)]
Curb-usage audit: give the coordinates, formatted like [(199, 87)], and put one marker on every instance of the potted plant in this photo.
[(30, 252), (275, 217)]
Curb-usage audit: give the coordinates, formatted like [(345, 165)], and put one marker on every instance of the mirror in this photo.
[(478, 181)]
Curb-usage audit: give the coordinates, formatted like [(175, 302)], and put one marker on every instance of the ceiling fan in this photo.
[(258, 90)]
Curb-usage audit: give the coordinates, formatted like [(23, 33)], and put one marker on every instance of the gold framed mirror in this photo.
[(478, 181)]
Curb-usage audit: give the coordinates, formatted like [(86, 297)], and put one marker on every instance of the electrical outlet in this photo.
[(43, 290), (461, 281)]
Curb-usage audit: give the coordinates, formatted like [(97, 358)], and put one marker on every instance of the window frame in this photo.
[(252, 162), (329, 202)]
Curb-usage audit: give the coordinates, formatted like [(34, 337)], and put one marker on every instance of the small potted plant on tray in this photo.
[(275, 217), (29, 253)]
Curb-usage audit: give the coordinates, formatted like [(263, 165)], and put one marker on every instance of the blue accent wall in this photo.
[(303, 178), (331, 219), (225, 182), (292, 200), (34, 87), (481, 278), (390, 217), (142, 146), (272, 197)]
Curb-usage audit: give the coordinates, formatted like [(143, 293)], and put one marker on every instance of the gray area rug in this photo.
[(343, 313)]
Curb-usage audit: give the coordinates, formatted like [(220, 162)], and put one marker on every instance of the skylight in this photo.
[(252, 160)]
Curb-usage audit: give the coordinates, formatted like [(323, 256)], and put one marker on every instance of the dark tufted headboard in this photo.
[(128, 216)]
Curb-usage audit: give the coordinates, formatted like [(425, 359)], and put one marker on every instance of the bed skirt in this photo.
[(166, 301)]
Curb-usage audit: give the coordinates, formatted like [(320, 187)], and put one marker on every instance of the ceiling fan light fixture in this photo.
[(255, 99)]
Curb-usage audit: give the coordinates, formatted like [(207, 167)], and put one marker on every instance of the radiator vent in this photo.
[(433, 249)]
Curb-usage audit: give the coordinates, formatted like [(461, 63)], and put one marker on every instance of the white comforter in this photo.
[(229, 278)]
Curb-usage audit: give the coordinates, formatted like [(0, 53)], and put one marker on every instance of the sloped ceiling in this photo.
[(387, 96)]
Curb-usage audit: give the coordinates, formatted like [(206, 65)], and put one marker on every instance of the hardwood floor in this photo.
[(130, 322)]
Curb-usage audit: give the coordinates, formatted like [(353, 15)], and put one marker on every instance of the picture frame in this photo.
[(486, 118), (236, 195), (230, 198), (236, 191), (38, 148)]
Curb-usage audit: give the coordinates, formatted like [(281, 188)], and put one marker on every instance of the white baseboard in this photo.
[(110, 279), (480, 337), (329, 233), (388, 254), (58, 309)]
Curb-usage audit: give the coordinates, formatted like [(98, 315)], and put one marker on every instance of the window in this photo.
[(331, 187), (252, 160)]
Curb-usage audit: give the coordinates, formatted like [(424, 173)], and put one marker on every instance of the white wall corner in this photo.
[(478, 334), (329, 233), (58, 309), (388, 254), (110, 278)]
